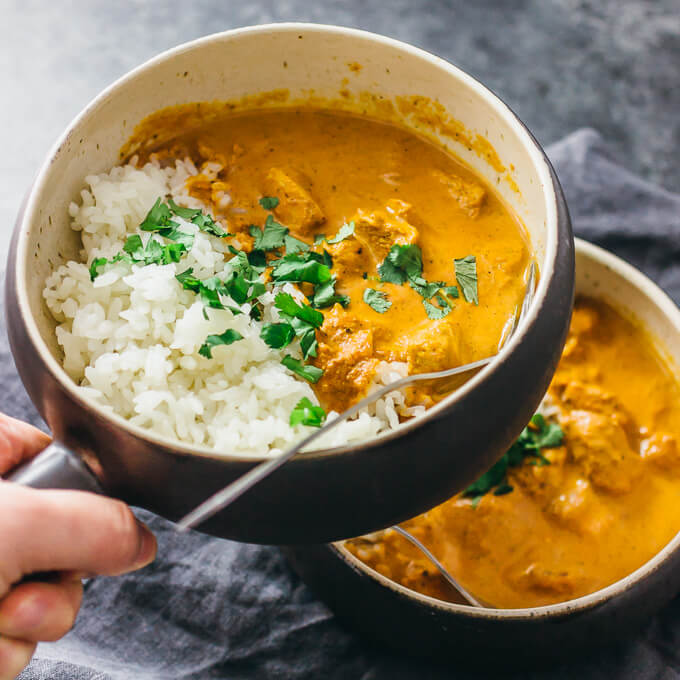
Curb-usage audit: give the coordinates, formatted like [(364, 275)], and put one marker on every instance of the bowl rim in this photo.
[(28, 212), (656, 296)]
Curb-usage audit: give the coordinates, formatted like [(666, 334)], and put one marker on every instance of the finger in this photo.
[(14, 657), (19, 441), (40, 611), (72, 530)]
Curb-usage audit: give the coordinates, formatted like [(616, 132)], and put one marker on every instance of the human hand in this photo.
[(72, 534)]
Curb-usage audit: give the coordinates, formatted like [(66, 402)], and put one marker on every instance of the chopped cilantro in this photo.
[(175, 234), (97, 263), (319, 238), (345, 231), (306, 413), (294, 245), (184, 213), (538, 435), (325, 295), (401, 263), (309, 373), (158, 217), (269, 238), (466, 275), (285, 303), (377, 300), (435, 313), (227, 338), (269, 202), (277, 335), (300, 267)]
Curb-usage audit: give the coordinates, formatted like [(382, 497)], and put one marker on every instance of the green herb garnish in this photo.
[(377, 300), (466, 275), (227, 338), (299, 267), (401, 263), (345, 231), (435, 313), (309, 373), (294, 245), (97, 263), (269, 238), (277, 335), (319, 238), (538, 435), (269, 202), (306, 413), (325, 295)]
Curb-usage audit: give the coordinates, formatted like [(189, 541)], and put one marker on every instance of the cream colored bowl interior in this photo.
[(305, 60), (601, 275)]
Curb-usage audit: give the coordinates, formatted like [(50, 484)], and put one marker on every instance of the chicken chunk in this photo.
[(662, 450), (380, 230), (542, 482), (469, 195), (576, 395), (542, 578), (346, 355), (432, 348), (350, 256), (599, 446), (296, 209)]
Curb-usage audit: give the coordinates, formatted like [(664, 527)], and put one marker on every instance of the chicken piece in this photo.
[(662, 450), (380, 230), (433, 347), (578, 396), (350, 257), (346, 355), (577, 508), (539, 577), (297, 210), (469, 195), (542, 482), (600, 447)]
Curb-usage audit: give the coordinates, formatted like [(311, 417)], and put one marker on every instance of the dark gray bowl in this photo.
[(323, 495), (405, 620)]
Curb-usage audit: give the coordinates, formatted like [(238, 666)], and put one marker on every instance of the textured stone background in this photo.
[(560, 64)]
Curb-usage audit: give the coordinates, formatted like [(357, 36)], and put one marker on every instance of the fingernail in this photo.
[(147, 547)]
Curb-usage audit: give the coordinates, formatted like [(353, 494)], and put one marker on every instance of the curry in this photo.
[(360, 192), (596, 503)]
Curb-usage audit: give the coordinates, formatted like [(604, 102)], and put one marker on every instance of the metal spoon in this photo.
[(221, 499)]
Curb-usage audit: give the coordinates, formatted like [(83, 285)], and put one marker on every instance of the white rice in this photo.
[(131, 338)]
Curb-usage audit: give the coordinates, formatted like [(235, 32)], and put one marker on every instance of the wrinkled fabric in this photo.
[(211, 608)]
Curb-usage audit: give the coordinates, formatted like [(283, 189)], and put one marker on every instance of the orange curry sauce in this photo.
[(608, 501), (329, 168)]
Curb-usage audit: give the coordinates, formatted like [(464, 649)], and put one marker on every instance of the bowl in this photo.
[(405, 619), (321, 495)]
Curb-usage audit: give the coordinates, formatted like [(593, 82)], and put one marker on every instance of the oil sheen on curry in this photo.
[(589, 492), (427, 262)]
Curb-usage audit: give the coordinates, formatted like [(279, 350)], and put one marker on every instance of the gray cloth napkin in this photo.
[(210, 608)]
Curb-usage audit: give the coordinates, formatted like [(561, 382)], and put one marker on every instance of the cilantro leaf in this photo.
[(425, 289), (300, 267), (294, 245), (538, 435), (96, 265), (277, 335), (184, 213), (401, 263), (175, 234), (270, 237), (269, 202), (433, 312), (325, 295), (285, 303), (345, 231), (158, 217), (188, 280), (227, 338), (306, 413), (309, 373), (377, 300), (172, 252), (207, 224), (466, 275), (319, 238)]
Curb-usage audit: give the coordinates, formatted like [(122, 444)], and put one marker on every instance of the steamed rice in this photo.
[(130, 338)]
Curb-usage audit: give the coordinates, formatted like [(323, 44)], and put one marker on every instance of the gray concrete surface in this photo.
[(561, 64)]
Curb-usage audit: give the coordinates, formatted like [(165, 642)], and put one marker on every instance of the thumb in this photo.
[(69, 530)]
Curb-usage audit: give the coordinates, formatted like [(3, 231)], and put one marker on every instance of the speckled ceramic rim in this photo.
[(429, 61), (656, 297)]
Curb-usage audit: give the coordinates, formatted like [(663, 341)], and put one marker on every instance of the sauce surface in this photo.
[(608, 501), (329, 169)]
